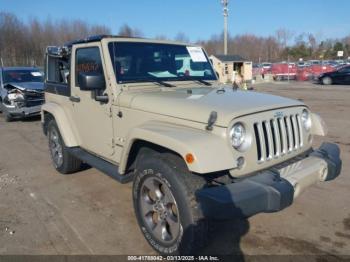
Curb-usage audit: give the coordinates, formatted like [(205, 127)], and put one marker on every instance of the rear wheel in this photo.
[(327, 80), (165, 205), (63, 161)]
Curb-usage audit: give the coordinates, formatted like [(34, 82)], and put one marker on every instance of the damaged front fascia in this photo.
[(13, 89)]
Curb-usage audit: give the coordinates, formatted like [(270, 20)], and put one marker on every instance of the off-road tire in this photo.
[(327, 80), (171, 170), (70, 164)]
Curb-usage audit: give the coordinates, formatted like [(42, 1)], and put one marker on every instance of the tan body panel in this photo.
[(63, 121), (203, 145), (198, 105), (92, 119)]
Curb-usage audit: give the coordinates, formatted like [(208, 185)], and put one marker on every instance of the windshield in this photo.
[(141, 62), (22, 75)]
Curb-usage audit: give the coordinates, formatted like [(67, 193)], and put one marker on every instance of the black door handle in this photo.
[(74, 99)]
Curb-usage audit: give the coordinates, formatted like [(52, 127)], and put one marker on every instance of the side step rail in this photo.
[(100, 164)]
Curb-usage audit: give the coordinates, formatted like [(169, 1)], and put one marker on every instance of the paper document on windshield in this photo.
[(36, 73), (196, 53)]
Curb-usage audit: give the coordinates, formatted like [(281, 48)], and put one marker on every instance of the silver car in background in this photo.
[(21, 92)]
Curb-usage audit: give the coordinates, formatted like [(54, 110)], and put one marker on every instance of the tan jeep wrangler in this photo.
[(195, 150)]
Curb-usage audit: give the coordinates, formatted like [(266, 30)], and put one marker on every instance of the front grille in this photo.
[(38, 102), (34, 99), (278, 136)]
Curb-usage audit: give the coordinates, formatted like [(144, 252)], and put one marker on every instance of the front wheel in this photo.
[(165, 206), (62, 160), (327, 80)]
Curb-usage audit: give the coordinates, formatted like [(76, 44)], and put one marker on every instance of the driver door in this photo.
[(92, 119)]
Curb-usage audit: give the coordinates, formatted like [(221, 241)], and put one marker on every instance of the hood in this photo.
[(198, 105), (26, 86)]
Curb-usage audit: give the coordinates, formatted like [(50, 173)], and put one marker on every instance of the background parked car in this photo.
[(313, 72), (339, 76), (266, 67), (21, 92), (257, 70), (283, 71), (314, 62), (302, 64)]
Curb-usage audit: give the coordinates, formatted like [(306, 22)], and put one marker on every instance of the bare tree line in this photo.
[(24, 43), (282, 46)]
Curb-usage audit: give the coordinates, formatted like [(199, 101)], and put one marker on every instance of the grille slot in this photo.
[(277, 137), (34, 99)]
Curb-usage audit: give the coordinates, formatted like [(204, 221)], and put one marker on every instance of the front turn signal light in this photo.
[(189, 158)]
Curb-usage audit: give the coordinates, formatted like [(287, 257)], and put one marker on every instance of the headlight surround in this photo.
[(237, 135), (15, 97), (306, 119)]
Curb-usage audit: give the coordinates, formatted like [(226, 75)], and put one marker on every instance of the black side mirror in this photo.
[(91, 81)]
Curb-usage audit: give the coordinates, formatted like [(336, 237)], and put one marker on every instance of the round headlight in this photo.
[(237, 135), (306, 120)]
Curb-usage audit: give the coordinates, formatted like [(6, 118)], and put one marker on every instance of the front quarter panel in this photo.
[(63, 123), (211, 151)]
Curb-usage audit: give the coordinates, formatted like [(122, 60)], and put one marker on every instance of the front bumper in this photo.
[(271, 190), (22, 111)]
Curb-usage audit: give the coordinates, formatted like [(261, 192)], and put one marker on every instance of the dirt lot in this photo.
[(43, 212)]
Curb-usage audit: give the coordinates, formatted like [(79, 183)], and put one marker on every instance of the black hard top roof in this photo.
[(94, 38)]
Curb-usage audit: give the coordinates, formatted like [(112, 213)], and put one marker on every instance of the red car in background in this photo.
[(312, 72), (283, 71)]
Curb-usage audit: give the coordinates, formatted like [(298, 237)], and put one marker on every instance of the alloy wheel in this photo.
[(55, 147), (159, 210)]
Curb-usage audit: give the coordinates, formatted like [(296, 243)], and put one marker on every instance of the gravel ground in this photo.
[(43, 212)]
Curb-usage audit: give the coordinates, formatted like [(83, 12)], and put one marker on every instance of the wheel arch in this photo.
[(139, 144), (53, 111), (179, 141)]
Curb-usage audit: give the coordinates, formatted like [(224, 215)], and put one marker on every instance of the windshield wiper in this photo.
[(163, 83), (203, 82), (140, 80)]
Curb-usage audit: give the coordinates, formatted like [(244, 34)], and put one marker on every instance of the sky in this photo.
[(198, 19)]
